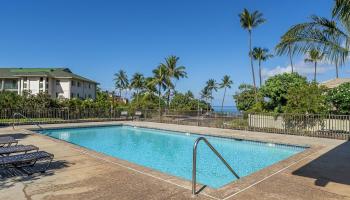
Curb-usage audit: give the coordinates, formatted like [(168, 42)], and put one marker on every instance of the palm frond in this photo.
[(321, 34)]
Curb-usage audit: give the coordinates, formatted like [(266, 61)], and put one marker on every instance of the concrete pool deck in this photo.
[(320, 172)]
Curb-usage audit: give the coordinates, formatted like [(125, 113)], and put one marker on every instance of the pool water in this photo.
[(171, 152)]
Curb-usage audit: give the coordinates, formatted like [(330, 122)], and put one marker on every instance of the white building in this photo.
[(57, 82)]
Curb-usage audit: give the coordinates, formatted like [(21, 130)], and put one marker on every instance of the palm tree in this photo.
[(137, 83), (211, 86), (226, 83), (161, 80), (173, 72), (330, 37), (206, 95), (313, 57), (260, 54), (121, 81), (341, 10), (249, 21), (150, 87)]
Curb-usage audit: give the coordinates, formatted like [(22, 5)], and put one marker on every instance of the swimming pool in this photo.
[(171, 152)]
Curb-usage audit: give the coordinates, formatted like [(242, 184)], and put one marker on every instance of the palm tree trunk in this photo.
[(159, 100), (168, 99), (290, 58), (315, 71), (260, 79), (207, 105), (137, 98), (251, 63), (336, 70), (223, 99)]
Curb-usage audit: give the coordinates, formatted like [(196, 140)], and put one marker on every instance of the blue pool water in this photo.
[(171, 152)]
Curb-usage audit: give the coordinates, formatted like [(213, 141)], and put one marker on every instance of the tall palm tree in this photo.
[(121, 81), (330, 37), (249, 21), (206, 95), (137, 83), (211, 86), (314, 56), (226, 83), (161, 80), (261, 54), (173, 72)]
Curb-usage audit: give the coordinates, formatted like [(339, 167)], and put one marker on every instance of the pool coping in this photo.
[(224, 192)]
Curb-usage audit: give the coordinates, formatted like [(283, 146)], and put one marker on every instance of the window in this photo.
[(78, 95), (89, 86), (58, 82), (78, 84), (56, 94), (47, 79), (41, 85), (10, 84), (0, 84), (71, 95), (73, 83), (90, 96)]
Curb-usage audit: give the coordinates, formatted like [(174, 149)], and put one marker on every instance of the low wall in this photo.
[(301, 123)]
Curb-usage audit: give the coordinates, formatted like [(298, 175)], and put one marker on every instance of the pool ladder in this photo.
[(21, 115), (194, 166)]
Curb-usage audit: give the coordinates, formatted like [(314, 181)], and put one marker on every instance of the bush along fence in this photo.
[(326, 126), (313, 125)]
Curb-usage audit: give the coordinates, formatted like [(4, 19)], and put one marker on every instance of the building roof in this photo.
[(45, 72), (335, 82)]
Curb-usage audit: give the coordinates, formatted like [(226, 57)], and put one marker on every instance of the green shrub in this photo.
[(339, 98)]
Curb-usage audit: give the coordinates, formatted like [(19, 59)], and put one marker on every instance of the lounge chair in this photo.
[(7, 141), (26, 161), (6, 151)]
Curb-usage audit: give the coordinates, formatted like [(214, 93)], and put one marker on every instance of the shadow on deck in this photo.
[(333, 166)]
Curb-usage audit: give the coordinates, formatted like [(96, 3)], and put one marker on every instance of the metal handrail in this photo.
[(21, 115), (194, 166)]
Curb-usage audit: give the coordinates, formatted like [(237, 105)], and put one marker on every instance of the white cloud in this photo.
[(301, 67)]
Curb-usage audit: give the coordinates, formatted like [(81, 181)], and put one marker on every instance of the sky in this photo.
[(95, 39)]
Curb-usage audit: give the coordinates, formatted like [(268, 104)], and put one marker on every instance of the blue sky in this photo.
[(97, 38)]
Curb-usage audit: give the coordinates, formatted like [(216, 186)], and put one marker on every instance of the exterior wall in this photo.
[(81, 89), (263, 121), (33, 84), (61, 89)]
